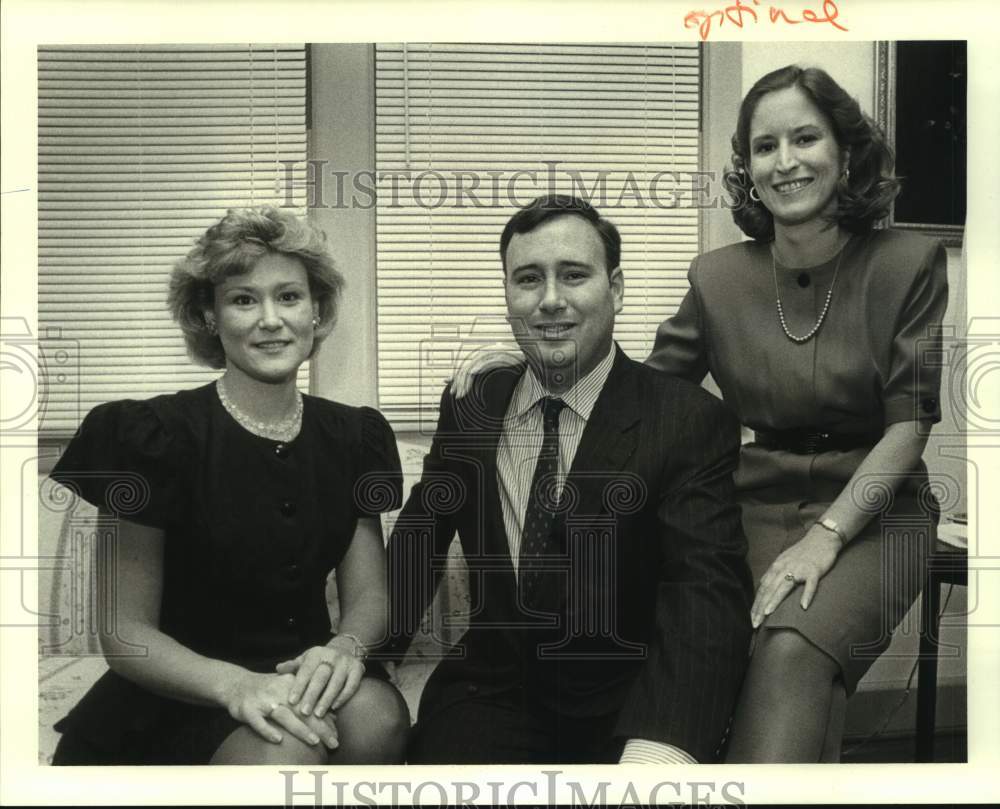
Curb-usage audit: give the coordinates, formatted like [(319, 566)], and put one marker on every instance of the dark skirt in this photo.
[(119, 723), (876, 578)]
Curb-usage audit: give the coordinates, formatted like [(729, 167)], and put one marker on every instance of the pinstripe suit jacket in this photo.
[(654, 623)]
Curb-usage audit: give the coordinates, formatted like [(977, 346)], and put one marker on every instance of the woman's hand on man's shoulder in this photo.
[(483, 358)]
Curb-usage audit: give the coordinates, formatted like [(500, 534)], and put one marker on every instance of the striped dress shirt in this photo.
[(521, 441), (517, 456)]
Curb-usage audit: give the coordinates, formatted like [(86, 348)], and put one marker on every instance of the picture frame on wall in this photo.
[(921, 104)]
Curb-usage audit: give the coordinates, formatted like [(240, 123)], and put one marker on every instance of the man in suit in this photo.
[(592, 498)]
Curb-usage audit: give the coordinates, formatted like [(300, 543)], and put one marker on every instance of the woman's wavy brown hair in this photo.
[(862, 200)]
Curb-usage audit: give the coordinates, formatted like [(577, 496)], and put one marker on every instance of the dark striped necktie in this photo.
[(538, 539)]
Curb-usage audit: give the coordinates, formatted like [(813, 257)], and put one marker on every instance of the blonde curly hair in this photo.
[(232, 246)]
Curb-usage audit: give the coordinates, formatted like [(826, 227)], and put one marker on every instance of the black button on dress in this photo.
[(252, 528)]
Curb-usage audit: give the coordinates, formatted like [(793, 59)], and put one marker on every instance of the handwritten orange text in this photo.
[(743, 13)]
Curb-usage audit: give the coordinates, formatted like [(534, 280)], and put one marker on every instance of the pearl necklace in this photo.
[(284, 430), (826, 304)]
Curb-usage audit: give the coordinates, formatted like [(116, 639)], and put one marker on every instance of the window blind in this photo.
[(465, 133), (140, 148)]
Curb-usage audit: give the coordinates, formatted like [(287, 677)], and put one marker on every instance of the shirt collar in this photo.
[(580, 398)]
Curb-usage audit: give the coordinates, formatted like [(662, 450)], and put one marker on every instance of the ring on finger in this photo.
[(789, 577)]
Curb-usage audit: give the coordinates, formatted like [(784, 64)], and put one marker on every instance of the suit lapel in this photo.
[(484, 424), (498, 585), (609, 439)]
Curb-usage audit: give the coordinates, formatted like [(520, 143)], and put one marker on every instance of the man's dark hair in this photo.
[(550, 206)]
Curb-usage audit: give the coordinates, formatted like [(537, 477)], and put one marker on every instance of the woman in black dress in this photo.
[(242, 496)]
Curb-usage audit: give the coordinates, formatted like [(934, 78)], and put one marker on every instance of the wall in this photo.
[(722, 75), (852, 64), (342, 133)]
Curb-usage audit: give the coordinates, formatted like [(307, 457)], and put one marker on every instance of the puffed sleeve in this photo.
[(379, 484), (679, 349), (912, 388), (125, 459)]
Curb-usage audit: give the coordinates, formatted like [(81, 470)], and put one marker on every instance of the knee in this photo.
[(786, 651), (376, 716), (291, 750), (244, 746)]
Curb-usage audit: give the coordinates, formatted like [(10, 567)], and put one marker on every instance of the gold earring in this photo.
[(315, 322), (210, 327)]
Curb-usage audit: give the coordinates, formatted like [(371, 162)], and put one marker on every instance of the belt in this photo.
[(809, 441)]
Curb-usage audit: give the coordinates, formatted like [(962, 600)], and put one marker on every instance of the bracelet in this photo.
[(360, 650), (831, 525)]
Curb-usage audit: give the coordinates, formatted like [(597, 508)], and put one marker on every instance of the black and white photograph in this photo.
[(511, 414)]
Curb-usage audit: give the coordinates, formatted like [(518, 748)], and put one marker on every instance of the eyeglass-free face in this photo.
[(265, 319)]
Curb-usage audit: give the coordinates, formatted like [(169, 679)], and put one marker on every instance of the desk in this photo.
[(945, 565)]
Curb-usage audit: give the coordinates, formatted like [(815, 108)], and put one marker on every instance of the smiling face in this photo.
[(265, 319), (561, 300), (795, 160)]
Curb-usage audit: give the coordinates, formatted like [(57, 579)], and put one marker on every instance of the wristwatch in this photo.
[(831, 525), (360, 650)]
